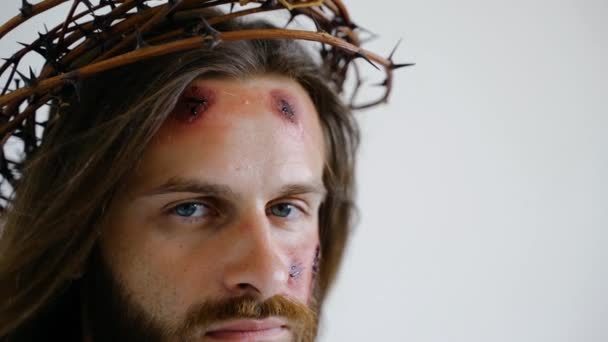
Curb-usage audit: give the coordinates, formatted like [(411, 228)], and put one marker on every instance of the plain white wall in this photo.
[(482, 185)]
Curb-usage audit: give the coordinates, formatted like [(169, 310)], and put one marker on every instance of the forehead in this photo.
[(216, 103), (242, 126)]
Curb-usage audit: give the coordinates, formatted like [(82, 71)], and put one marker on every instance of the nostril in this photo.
[(246, 286)]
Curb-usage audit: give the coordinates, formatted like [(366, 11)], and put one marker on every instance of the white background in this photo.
[(483, 192)]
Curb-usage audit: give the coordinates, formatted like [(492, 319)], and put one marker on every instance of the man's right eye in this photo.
[(190, 210)]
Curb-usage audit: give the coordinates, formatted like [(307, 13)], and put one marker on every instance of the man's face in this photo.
[(215, 236)]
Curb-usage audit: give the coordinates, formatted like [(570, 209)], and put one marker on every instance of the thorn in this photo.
[(361, 28), (26, 9), (141, 5), (270, 4), (207, 31), (362, 55), (108, 2), (399, 66), (140, 40), (371, 36), (29, 81), (32, 75), (292, 16), (381, 84), (23, 44), (324, 51), (88, 4), (17, 83), (390, 57), (44, 40), (232, 7)]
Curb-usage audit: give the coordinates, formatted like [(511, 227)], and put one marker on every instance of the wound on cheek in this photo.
[(316, 260), (295, 271), (193, 103)]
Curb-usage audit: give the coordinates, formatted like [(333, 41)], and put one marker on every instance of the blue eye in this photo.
[(190, 210), (281, 209)]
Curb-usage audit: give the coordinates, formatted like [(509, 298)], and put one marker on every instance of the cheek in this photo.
[(157, 272), (303, 267)]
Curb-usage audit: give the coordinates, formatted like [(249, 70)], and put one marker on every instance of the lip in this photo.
[(268, 329)]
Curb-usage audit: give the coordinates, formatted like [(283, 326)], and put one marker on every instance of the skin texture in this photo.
[(224, 203)]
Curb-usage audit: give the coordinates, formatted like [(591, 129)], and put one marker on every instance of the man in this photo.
[(203, 195)]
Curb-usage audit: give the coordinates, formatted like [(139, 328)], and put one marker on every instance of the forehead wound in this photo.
[(196, 100), (284, 105)]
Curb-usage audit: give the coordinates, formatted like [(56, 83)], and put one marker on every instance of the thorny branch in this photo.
[(74, 50)]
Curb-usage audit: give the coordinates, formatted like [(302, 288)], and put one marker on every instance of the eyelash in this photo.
[(208, 211), (291, 205)]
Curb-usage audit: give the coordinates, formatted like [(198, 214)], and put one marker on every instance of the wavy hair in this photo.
[(54, 221)]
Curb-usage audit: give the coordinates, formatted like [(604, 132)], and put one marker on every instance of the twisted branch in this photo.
[(115, 39)]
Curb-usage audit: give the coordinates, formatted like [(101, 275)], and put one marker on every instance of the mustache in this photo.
[(302, 319)]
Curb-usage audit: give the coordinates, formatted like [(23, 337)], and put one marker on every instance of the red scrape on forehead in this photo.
[(220, 104), (192, 104), (285, 105), (197, 100)]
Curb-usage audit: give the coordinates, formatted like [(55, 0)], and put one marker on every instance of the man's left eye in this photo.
[(282, 209)]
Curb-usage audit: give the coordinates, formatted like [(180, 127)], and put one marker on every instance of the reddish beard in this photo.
[(111, 314), (301, 319)]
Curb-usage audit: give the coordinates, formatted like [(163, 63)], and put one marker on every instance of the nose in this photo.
[(254, 264)]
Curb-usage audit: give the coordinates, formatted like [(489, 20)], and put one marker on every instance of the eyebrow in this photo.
[(179, 184), (302, 188)]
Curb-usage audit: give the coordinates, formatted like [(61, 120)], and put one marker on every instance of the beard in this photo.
[(111, 314)]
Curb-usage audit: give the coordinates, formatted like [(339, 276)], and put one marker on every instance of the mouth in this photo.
[(270, 329)]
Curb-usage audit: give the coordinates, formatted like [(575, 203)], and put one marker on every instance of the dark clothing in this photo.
[(61, 321)]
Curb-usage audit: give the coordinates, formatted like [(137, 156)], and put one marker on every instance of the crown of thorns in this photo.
[(63, 46)]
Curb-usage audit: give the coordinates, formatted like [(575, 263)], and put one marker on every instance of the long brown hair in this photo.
[(55, 218)]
